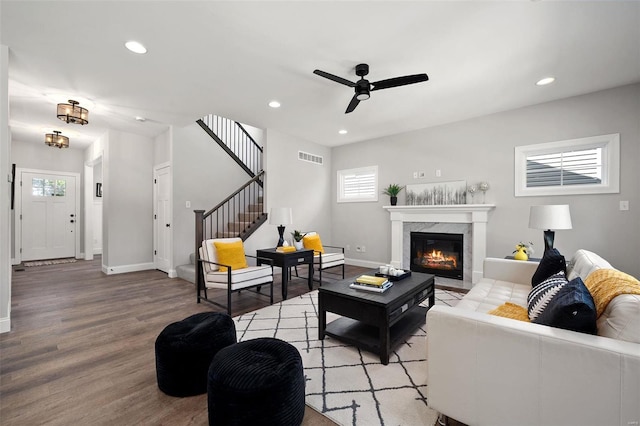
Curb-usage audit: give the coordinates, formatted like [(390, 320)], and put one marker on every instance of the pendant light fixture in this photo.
[(73, 113), (56, 140)]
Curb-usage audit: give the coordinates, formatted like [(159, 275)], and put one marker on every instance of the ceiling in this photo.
[(232, 58)]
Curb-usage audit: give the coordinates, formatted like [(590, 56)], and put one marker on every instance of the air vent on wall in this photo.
[(311, 158)]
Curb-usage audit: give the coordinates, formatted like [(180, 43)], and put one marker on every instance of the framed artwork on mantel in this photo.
[(437, 193)]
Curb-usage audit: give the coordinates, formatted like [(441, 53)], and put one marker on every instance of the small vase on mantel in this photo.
[(394, 200)]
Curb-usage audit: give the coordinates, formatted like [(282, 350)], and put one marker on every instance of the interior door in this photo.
[(49, 217), (162, 216)]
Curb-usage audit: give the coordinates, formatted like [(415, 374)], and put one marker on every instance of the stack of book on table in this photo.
[(285, 249), (371, 283)]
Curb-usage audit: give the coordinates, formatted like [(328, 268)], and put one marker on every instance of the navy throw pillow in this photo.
[(568, 305), (551, 263)]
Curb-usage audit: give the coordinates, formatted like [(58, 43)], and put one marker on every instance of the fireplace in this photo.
[(438, 254)]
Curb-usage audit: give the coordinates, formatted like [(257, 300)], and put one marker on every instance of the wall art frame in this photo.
[(437, 193)]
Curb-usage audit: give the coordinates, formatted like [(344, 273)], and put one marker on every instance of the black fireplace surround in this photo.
[(438, 254)]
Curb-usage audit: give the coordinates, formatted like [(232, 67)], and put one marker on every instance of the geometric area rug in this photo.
[(349, 385)]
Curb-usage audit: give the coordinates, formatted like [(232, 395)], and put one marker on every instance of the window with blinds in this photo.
[(358, 185), (579, 166)]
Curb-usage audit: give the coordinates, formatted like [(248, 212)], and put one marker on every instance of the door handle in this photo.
[(72, 215), (72, 221), (168, 225)]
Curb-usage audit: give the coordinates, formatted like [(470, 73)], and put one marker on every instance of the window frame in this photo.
[(610, 182), (341, 174)]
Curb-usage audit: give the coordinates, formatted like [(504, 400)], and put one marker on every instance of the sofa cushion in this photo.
[(621, 319), (488, 294), (617, 299), (551, 263), (585, 262), (559, 303)]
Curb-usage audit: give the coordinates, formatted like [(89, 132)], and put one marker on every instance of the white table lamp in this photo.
[(550, 218), (280, 216)]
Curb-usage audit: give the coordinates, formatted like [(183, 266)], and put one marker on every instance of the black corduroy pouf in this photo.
[(256, 382), (184, 350)]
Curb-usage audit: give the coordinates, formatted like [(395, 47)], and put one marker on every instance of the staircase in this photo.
[(242, 212)]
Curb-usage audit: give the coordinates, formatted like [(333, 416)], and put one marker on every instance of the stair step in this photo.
[(248, 216), (227, 234), (238, 225), (255, 207)]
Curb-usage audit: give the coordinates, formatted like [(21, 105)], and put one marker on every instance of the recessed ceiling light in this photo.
[(135, 47), (343, 132), (274, 104), (545, 81), (141, 119)]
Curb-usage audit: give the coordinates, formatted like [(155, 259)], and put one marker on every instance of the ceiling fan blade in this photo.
[(399, 81), (353, 104), (334, 78)]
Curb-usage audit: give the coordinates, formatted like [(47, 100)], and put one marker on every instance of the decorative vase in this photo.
[(298, 245), (394, 201), (521, 254)]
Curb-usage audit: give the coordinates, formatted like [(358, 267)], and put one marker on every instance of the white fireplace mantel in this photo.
[(475, 214)]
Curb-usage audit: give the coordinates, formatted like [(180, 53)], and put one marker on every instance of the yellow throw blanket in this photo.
[(511, 310), (605, 284)]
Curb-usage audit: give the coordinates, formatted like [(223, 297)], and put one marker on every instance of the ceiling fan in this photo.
[(363, 87)]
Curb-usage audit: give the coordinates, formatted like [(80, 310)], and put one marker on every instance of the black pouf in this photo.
[(184, 350), (256, 382)]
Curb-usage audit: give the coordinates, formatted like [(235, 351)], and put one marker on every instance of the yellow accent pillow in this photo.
[(511, 310), (313, 242), (231, 254)]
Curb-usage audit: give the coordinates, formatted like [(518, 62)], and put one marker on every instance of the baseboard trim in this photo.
[(5, 325), (172, 273), (123, 269), (97, 251)]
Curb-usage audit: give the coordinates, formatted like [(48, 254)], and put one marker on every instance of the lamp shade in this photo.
[(73, 113), (56, 140), (550, 217), (280, 216)]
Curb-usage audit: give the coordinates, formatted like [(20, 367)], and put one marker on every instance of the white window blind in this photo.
[(358, 185), (579, 166), (565, 168)]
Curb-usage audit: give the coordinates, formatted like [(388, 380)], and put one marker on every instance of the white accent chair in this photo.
[(331, 258), (232, 280)]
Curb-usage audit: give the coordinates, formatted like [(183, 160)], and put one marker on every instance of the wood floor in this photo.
[(81, 348)]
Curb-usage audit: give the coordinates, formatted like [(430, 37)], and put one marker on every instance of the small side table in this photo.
[(286, 261)]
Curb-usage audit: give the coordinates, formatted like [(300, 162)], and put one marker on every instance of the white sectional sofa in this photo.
[(488, 370)]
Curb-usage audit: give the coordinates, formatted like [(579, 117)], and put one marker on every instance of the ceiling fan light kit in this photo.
[(73, 113), (363, 87), (56, 140)]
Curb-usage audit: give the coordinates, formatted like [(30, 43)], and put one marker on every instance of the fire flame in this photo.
[(440, 260)]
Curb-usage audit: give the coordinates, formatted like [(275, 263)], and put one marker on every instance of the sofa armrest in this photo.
[(488, 370), (514, 271)]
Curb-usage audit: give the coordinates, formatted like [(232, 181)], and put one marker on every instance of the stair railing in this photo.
[(234, 139), (223, 221)]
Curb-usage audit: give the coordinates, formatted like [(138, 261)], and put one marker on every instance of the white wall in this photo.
[(482, 149), (5, 195), (127, 196)]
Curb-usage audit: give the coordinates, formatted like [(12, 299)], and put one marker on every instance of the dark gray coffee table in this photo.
[(375, 322)]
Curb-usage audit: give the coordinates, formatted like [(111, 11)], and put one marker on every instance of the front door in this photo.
[(49, 217)]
